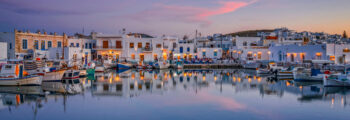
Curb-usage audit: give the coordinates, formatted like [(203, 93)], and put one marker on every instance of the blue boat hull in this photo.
[(123, 66)]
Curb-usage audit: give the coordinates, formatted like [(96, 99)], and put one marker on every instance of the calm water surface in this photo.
[(168, 94)]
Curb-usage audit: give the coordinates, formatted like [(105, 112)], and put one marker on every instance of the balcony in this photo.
[(108, 48), (147, 49)]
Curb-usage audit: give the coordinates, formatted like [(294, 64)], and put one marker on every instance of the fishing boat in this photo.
[(179, 65), (162, 65), (71, 74), (302, 74), (99, 69), (336, 80), (14, 74), (251, 65), (124, 65), (262, 71), (83, 73)]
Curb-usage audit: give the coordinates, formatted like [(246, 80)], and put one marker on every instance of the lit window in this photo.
[(131, 45)]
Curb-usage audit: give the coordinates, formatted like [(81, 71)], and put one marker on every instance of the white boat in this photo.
[(71, 74), (99, 69), (336, 80), (302, 74), (49, 70), (162, 65), (179, 65), (82, 73), (14, 74), (53, 76), (251, 65), (263, 71)]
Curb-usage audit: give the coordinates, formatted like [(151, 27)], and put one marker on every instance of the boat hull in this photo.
[(336, 83), (53, 76), (124, 66), (25, 81)]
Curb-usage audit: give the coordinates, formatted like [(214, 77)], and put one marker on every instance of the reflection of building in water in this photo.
[(311, 92), (12, 97), (134, 83)]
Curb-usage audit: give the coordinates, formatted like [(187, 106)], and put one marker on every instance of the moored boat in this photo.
[(71, 74), (336, 80), (14, 75)]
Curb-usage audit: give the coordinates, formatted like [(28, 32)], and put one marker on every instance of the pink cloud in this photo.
[(189, 14)]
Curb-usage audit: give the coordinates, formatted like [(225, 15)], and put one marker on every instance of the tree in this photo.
[(345, 35)]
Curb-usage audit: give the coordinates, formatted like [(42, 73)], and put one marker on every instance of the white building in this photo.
[(108, 46), (298, 53), (339, 53), (214, 53), (3, 50), (74, 55), (9, 38)]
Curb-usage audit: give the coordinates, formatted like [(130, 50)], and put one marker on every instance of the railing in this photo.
[(147, 49), (109, 47)]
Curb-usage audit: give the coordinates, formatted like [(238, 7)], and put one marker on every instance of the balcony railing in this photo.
[(109, 47), (147, 49)]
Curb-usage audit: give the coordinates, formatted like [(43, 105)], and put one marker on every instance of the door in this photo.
[(142, 57), (118, 44)]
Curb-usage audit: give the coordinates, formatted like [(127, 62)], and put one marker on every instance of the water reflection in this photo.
[(230, 90)]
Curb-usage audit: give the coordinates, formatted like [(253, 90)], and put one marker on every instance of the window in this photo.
[(94, 45), (24, 44), (10, 46), (86, 45), (203, 53), (36, 44), (77, 45), (59, 44), (49, 44), (215, 53), (159, 45), (174, 45), (131, 45), (181, 49), (90, 46), (139, 45), (188, 49), (71, 44), (42, 45)]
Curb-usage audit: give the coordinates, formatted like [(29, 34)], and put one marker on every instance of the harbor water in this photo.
[(174, 94)]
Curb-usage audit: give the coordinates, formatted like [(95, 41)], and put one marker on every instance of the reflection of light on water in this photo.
[(234, 79), (332, 103), (133, 76), (300, 87), (203, 78), (254, 77), (259, 79), (185, 74), (215, 78), (190, 74), (287, 84), (239, 79), (249, 80)]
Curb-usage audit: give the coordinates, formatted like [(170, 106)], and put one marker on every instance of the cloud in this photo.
[(189, 14)]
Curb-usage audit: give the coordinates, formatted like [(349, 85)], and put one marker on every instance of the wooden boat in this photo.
[(71, 74), (14, 74), (336, 80), (302, 74), (124, 65), (179, 65), (162, 65), (82, 73), (99, 69)]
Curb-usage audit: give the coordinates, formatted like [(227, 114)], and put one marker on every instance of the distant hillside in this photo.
[(249, 33)]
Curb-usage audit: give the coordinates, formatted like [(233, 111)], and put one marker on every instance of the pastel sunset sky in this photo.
[(174, 17)]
